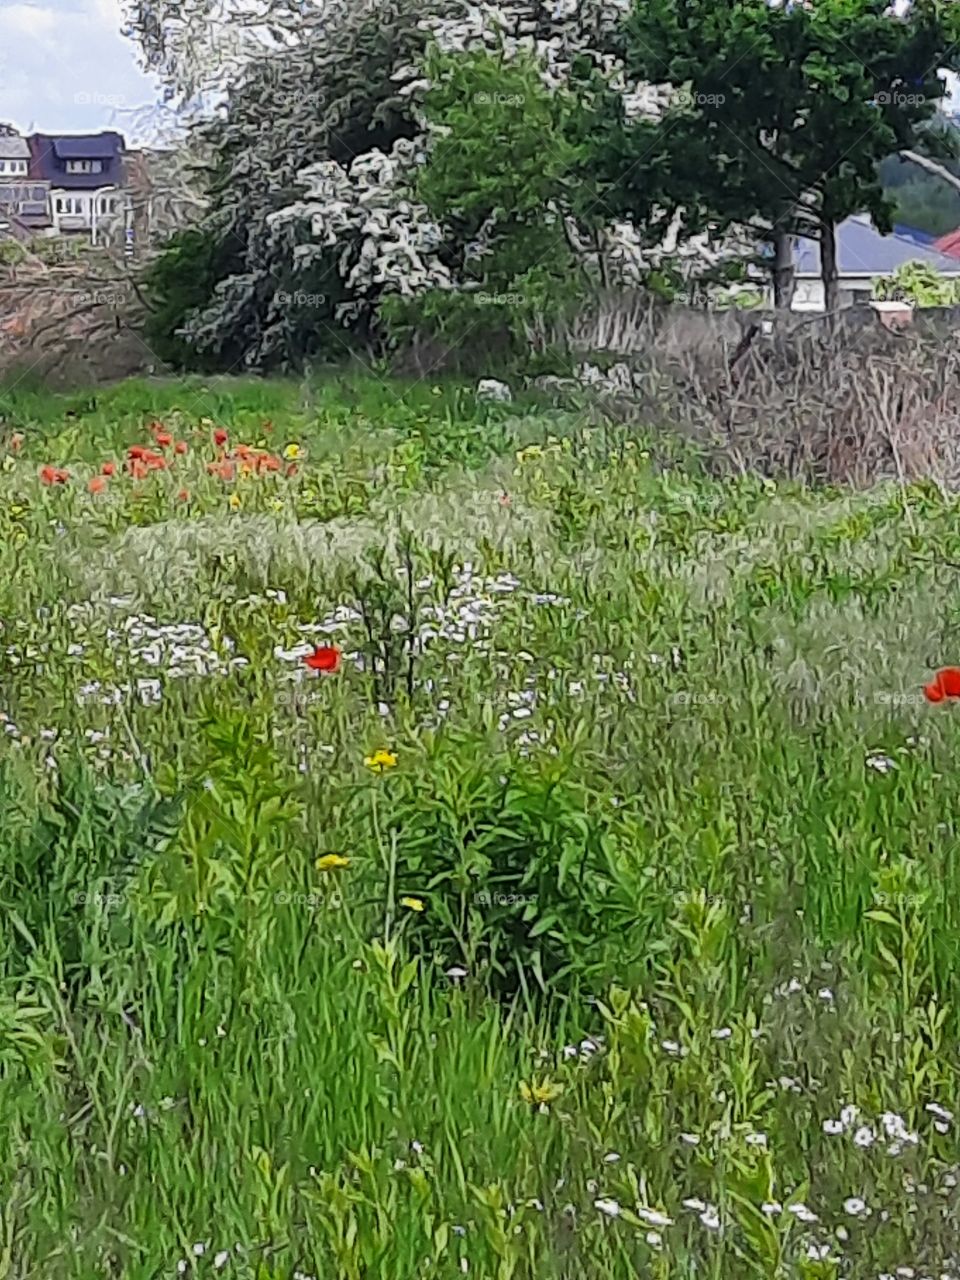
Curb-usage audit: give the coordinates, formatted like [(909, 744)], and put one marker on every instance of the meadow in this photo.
[(587, 909)]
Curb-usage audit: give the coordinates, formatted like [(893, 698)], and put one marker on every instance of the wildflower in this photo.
[(16, 441), (935, 1109), (654, 1218), (864, 1137), (220, 436), (608, 1207), (183, 495), (413, 904), (540, 1095), (137, 451), (108, 468), (945, 684), (456, 972), (292, 452), (180, 446), (97, 484), (833, 1126), (380, 760), (163, 438), (53, 475), (326, 657), (504, 499), (234, 501), (854, 1206), (881, 763), (331, 862), (291, 468), (802, 1213)]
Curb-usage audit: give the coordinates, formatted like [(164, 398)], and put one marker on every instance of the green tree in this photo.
[(784, 114)]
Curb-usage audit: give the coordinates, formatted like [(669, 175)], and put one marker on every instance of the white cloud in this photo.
[(65, 67)]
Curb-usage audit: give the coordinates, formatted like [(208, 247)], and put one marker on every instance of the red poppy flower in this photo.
[(154, 461), (220, 436), (291, 468), (163, 438), (97, 484), (268, 462), (945, 684), (16, 440), (325, 657), (183, 495), (225, 469), (53, 475), (108, 468), (180, 446), (137, 468), (138, 451)]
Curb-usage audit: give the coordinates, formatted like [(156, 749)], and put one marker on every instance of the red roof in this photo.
[(949, 244)]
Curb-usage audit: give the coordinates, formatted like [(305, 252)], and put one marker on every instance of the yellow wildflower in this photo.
[(413, 904), (234, 501), (276, 504), (331, 861), (292, 452), (380, 760), (540, 1095)]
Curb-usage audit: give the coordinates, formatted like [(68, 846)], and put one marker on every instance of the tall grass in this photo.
[(640, 959)]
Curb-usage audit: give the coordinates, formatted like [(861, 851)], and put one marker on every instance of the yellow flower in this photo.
[(331, 861), (16, 511), (413, 904), (276, 504), (292, 452), (540, 1095), (206, 422), (234, 501), (380, 760)]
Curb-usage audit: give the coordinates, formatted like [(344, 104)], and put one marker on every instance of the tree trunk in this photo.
[(783, 277), (828, 270)]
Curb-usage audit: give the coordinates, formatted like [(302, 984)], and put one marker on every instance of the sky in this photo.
[(65, 67)]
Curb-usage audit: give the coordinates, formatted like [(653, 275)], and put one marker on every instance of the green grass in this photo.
[(666, 788)]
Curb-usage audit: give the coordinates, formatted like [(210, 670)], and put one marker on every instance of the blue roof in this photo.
[(911, 233), (863, 251)]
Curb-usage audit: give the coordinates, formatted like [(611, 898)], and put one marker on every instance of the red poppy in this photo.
[(268, 462), (291, 468), (53, 475), (108, 468), (220, 436), (97, 484), (945, 684), (225, 469), (138, 451), (180, 446), (154, 461), (16, 440), (183, 495), (137, 468), (326, 657), (163, 438)]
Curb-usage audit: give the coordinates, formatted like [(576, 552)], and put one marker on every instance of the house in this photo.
[(863, 255), (23, 200), (85, 174)]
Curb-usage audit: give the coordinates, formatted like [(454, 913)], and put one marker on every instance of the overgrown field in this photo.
[(597, 916)]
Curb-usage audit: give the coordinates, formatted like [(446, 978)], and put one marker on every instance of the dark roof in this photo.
[(90, 146), (863, 251), (49, 153)]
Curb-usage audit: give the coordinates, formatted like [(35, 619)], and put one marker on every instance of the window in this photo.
[(84, 166)]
